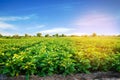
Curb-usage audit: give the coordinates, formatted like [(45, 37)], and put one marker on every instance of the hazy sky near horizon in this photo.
[(59, 16)]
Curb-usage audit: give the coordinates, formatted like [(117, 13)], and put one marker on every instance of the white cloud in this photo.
[(4, 25), (6, 33), (75, 33), (35, 27), (40, 26), (97, 22), (7, 28), (56, 30), (14, 18)]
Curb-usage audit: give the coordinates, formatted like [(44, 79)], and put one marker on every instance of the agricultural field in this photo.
[(59, 55)]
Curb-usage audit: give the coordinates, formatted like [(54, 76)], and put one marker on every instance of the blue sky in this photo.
[(77, 17)]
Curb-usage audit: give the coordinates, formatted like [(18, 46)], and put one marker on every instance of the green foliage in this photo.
[(62, 35), (64, 55), (57, 35), (96, 54), (42, 57), (47, 35), (27, 35), (116, 63), (16, 36), (39, 34), (1, 35)]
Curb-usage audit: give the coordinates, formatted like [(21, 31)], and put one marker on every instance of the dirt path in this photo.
[(92, 76)]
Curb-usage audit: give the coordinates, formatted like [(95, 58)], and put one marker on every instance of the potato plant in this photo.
[(61, 55)]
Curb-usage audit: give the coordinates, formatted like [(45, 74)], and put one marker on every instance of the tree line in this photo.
[(37, 35), (54, 35)]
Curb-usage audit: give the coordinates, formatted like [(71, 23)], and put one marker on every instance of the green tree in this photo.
[(94, 35), (39, 34), (57, 35), (1, 35), (53, 35), (27, 35), (16, 36), (118, 35), (47, 35), (74, 35), (62, 35)]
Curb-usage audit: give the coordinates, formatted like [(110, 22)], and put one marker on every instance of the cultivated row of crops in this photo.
[(47, 56)]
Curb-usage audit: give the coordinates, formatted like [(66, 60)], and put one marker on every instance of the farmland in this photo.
[(59, 55)]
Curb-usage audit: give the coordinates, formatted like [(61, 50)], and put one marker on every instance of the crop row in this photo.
[(47, 56)]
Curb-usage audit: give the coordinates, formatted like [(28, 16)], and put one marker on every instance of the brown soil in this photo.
[(92, 76)]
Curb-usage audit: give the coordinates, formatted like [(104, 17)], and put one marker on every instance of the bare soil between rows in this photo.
[(80, 76)]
